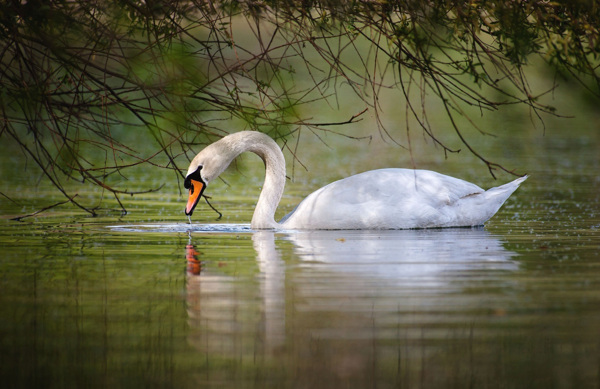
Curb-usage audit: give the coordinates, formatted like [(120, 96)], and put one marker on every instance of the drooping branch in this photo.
[(78, 78)]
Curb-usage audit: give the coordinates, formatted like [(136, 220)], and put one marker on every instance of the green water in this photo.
[(515, 304)]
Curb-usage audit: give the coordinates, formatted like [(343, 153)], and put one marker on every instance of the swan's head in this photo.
[(205, 167), (196, 185)]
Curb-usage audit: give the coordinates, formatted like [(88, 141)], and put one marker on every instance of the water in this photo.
[(147, 300)]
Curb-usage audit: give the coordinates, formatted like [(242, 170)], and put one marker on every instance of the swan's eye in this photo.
[(187, 184)]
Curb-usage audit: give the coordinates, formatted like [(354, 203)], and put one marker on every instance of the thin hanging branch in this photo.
[(19, 218), (79, 78)]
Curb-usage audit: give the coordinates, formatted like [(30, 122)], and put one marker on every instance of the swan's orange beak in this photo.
[(196, 189)]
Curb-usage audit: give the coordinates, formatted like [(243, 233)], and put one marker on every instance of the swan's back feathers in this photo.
[(398, 198)]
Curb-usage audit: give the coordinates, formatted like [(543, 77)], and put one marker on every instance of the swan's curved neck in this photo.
[(266, 148)]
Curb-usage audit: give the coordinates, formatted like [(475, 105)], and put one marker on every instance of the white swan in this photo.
[(377, 199)]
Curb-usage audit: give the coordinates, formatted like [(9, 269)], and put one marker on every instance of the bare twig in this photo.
[(181, 74), (19, 218)]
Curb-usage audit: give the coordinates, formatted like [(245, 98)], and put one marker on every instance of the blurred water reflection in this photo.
[(343, 301), (398, 256)]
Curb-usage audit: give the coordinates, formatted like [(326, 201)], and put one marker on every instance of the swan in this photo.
[(378, 199)]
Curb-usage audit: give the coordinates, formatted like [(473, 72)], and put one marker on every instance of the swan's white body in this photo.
[(377, 199)]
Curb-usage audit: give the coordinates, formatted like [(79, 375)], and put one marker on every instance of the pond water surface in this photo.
[(146, 300)]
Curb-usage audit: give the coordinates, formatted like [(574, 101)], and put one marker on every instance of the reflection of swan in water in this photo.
[(336, 294), (228, 311), (400, 255)]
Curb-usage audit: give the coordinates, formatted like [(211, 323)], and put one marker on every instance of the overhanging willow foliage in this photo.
[(82, 80)]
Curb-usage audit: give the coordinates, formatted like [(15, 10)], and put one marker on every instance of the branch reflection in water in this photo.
[(339, 301)]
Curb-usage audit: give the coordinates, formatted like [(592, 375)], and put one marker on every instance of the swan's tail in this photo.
[(479, 208), (505, 190), (495, 197)]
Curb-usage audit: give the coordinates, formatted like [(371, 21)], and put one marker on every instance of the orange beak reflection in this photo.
[(196, 189)]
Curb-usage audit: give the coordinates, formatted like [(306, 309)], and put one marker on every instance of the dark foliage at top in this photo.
[(82, 81)]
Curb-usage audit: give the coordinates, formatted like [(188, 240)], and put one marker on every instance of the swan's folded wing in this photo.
[(378, 199)]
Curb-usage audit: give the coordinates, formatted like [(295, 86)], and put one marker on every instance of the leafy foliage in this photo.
[(82, 80)]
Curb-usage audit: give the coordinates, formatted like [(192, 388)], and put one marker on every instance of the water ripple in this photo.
[(183, 227)]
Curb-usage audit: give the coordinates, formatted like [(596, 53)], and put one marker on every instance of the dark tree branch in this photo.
[(78, 78)]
